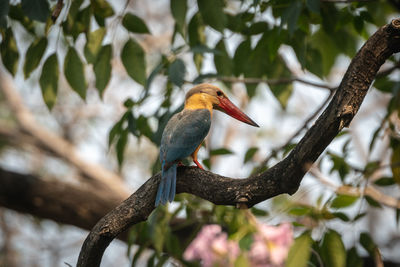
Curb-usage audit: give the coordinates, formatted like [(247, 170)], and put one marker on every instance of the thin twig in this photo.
[(369, 190), (249, 80)]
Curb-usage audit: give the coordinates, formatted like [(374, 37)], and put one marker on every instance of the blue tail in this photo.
[(166, 189)]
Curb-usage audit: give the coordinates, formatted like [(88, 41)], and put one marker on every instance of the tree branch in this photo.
[(284, 177), (66, 203), (55, 200)]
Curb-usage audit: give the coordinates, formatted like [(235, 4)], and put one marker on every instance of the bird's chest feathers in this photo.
[(199, 101)]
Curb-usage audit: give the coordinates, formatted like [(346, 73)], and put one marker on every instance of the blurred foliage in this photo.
[(319, 32)]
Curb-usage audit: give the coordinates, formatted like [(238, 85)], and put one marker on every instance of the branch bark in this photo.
[(67, 203), (284, 177), (54, 200)]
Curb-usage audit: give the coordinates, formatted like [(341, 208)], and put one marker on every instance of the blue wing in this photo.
[(183, 134)]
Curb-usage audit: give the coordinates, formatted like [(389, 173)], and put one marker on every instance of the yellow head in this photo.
[(208, 96), (203, 96)]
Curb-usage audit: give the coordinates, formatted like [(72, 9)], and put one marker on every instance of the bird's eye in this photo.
[(219, 93)]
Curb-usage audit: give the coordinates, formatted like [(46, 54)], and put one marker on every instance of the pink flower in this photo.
[(212, 247), (199, 249), (270, 247)]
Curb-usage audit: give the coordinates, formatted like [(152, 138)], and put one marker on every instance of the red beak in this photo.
[(225, 105)]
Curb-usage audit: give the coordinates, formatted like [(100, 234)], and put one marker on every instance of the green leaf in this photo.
[(300, 210), (3, 22), (241, 57), (276, 38), (4, 8), (36, 9), (33, 55), (144, 127), (372, 202), (385, 85), (333, 251), (121, 145), (342, 201), (250, 153), (259, 212), (139, 126), (291, 16), (385, 181), (220, 151), (246, 242), (235, 23), (196, 31), (223, 63), (49, 80), (358, 23), (367, 242), (102, 68), (278, 69), (257, 28), (313, 5), (314, 61), (397, 217), (9, 52), (258, 61), (78, 21), (395, 161), (129, 103), (16, 13), (137, 255), (327, 49), (178, 10), (353, 259), (359, 216), (176, 72), (101, 8), (132, 125), (117, 129), (134, 24), (339, 165), (341, 216), (74, 72), (213, 14), (207, 163), (300, 251), (133, 59), (196, 37), (93, 45)]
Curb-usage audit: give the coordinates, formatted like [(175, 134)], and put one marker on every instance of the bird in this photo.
[(186, 130)]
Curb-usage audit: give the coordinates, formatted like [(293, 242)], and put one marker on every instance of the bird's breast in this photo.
[(184, 133)]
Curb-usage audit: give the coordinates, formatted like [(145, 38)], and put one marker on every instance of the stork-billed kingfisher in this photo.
[(186, 130)]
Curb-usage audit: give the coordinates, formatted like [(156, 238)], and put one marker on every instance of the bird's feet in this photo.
[(198, 164)]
